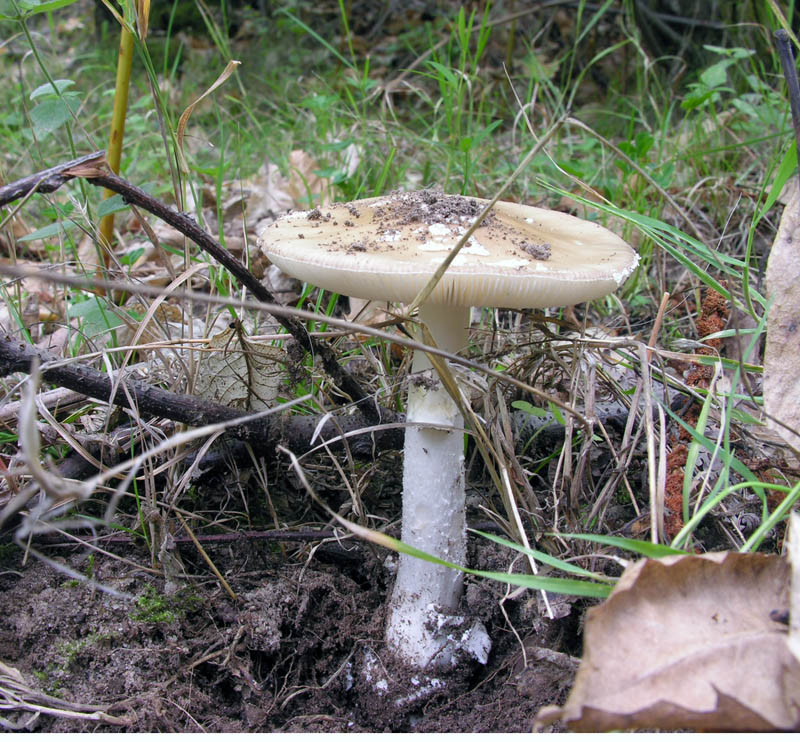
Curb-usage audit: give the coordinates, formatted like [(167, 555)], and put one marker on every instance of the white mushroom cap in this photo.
[(388, 248)]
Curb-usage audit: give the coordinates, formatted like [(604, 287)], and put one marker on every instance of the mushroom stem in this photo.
[(433, 503), (389, 248)]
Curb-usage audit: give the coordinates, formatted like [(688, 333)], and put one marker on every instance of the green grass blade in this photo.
[(645, 548), (776, 517), (540, 556), (311, 32)]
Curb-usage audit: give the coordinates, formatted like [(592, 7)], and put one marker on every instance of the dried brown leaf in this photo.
[(689, 642), (305, 186), (267, 194)]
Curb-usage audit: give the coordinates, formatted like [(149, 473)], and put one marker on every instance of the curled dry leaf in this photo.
[(782, 351), (184, 119), (689, 642)]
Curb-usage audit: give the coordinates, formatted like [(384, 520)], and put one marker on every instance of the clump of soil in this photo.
[(287, 655), (430, 207)]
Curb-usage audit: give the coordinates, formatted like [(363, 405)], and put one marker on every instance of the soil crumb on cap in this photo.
[(539, 251), (430, 207)]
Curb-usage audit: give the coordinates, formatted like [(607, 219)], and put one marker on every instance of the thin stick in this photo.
[(205, 556), (45, 181)]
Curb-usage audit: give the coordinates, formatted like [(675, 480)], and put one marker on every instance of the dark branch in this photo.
[(45, 181), (295, 431)]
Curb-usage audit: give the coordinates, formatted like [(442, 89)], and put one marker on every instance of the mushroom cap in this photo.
[(388, 248)]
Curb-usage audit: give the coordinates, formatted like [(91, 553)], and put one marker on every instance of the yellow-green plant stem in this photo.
[(114, 152)]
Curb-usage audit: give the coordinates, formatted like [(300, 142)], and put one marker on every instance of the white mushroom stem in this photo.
[(433, 504)]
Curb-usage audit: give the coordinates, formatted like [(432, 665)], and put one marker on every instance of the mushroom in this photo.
[(387, 249)]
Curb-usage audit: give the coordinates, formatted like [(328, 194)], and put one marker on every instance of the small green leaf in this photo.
[(96, 316), (717, 74), (557, 413), (785, 170), (131, 257), (528, 408), (51, 230), (737, 52), (111, 205), (32, 7), (696, 98), (52, 113), (47, 88)]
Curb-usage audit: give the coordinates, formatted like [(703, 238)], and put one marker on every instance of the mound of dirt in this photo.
[(288, 655)]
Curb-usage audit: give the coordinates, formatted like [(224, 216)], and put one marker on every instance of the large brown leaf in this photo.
[(782, 351), (689, 642)]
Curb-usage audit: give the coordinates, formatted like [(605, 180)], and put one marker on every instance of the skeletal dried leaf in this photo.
[(689, 642), (240, 372), (267, 194)]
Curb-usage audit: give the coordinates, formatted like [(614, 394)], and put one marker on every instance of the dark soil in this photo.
[(292, 653)]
